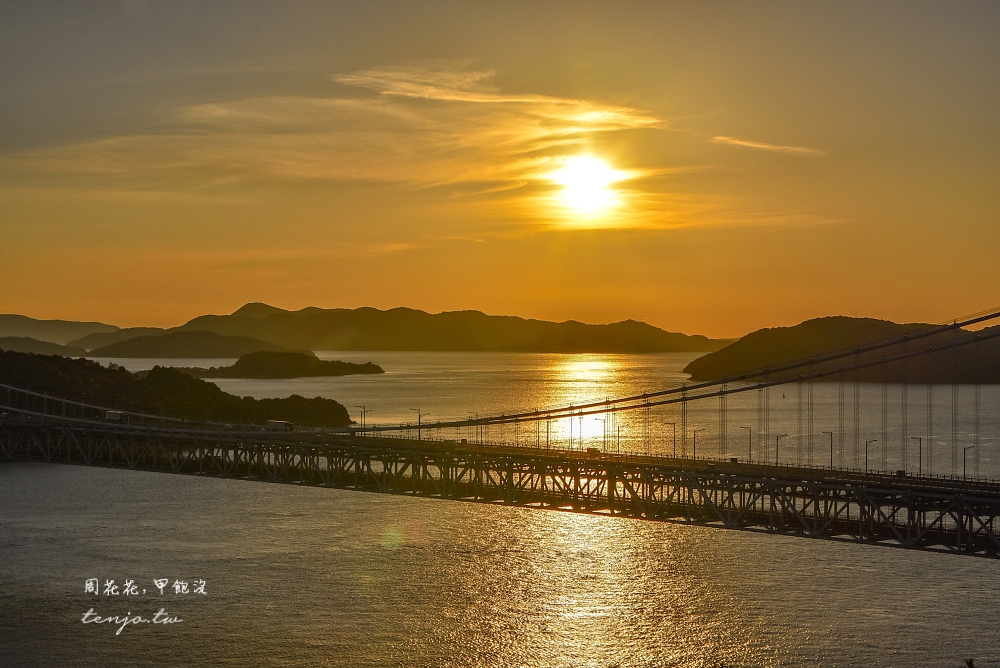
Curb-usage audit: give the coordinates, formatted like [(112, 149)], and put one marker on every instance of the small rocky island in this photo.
[(266, 364)]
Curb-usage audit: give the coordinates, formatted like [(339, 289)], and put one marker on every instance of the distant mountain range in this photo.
[(25, 344), (100, 339), (394, 329), (194, 344), (258, 327), (409, 329), (769, 348), (53, 331)]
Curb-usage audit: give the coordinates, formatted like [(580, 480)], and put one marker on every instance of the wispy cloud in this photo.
[(792, 150), (429, 125), (436, 83), (443, 129)]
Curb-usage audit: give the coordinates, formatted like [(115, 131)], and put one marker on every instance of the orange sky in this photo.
[(763, 165)]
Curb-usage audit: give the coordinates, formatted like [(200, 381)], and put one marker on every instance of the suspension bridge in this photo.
[(949, 513)]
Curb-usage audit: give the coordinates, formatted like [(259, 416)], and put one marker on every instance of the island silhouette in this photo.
[(160, 391), (266, 364), (768, 348)]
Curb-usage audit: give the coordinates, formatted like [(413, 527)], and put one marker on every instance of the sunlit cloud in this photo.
[(472, 135), (472, 87), (441, 128), (792, 150)]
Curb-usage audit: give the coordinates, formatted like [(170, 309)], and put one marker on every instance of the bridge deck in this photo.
[(918, 512)]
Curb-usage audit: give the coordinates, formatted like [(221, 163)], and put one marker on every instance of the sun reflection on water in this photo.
[(583, 379), (591, 369), (595, 582)]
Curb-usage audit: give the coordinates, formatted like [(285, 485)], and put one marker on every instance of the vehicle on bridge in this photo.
[(280, 425), (121, 417)]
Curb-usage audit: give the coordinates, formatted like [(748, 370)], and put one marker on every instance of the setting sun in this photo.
[(586, 184)]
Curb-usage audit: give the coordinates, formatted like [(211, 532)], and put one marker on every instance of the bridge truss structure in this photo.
[(956, 516)]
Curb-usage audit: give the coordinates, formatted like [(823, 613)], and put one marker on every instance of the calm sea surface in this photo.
[(317, 577)]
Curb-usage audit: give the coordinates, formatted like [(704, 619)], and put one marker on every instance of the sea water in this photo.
[(301, 576)]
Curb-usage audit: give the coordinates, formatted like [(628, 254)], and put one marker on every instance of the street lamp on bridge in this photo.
[(419, 416), (475, 439), (674, 425), (831, 449), (867, 443), (696, 442), (777, 438), (364, 412), (920, 453), (965, 451), (749, 444)]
